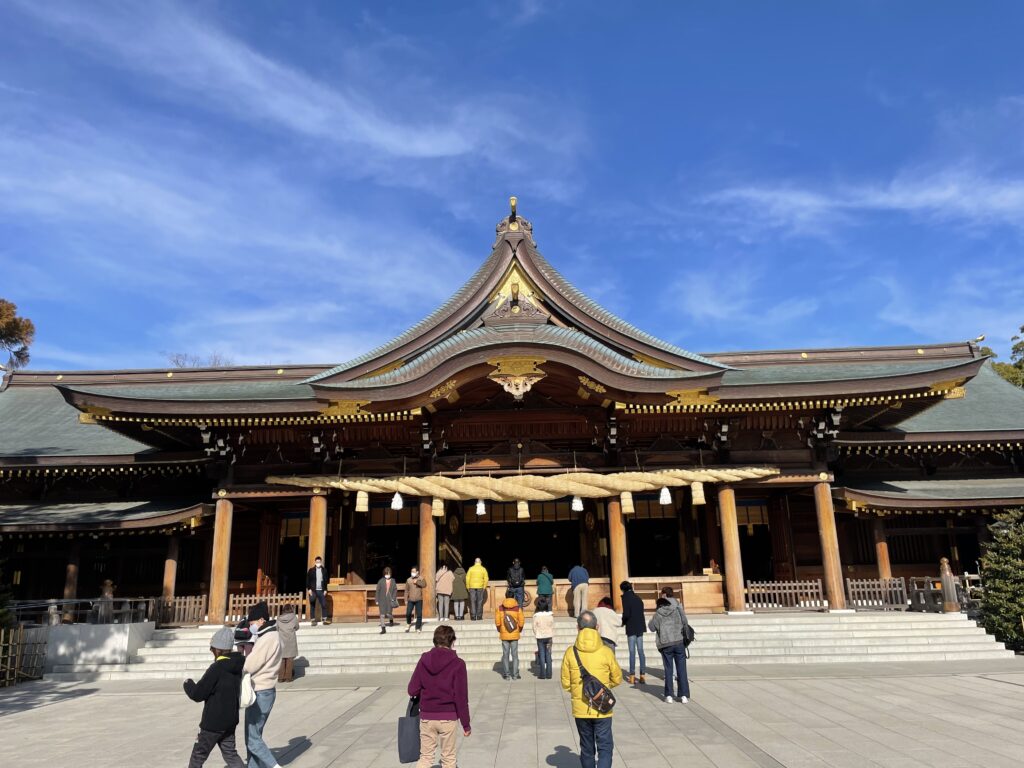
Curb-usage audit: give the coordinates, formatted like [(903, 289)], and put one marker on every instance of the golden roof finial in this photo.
[(512, 203)]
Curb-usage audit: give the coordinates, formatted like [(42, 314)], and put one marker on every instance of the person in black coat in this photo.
[(218, 689), (316, 587), (635, 624), (516, 580)]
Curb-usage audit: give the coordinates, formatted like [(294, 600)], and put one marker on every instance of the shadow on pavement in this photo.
[(293, 750), (563, 757), (26, 696)]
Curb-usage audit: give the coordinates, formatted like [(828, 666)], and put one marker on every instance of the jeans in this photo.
[(442, 607), (207, 740), (579, 598), (319, 596), (256, 717), (520, 595), (636, 645), (476, 603), (459, 606), (414, 606), (676, 654), (595, 737), (510, 648), (544, 657)]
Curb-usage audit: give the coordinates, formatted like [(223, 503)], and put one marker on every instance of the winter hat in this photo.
[(259, 611), (223, 639)]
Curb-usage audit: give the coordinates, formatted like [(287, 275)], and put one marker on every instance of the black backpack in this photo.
[(688, 634), (597, 695)]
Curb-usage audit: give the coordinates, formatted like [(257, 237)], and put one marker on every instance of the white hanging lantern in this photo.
[(481, 508), (577, 504), (396, 501), (362, 501), (665, 499)]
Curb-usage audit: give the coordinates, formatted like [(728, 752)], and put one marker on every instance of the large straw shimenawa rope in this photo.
[(532, 487)]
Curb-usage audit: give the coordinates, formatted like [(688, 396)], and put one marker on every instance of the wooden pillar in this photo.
[(269, 553), (734, 590), (617, 549), (221, 561), (712, 536), (830, 561), (71, 577), (881, 547), (170, 568), (358, 540), (428, 554), (317, 542)]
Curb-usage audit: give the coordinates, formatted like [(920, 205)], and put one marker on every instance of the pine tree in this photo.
[(1003, 563)]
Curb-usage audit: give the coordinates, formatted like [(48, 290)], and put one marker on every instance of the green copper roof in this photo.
[(811, 372), (35, 421), (948, 490), (100, 514), (544, 335), (991, 404), (205, 392)]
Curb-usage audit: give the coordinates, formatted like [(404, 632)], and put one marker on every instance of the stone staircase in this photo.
[(802, 638)]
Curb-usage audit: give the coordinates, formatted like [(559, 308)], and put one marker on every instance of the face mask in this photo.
[(254, 628), (319, 564), (415, 574)]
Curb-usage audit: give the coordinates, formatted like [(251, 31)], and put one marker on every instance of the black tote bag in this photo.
[(409, 733)]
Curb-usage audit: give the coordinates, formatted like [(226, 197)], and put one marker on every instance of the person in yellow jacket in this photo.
[(595, 729), (476, 583), (509, 619)]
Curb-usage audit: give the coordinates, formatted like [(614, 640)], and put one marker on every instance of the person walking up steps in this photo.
[(509, 620), (636, 626), (594, 728), (287, 626), (440, 682), (544, 630), (444, 582), (476, 581), (387, 599), (414, 599), (668, 622), (579, 580), (218, 689), (460, 593), (608, 622), (263, 663)]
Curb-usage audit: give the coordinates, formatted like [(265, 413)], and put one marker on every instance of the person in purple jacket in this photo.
[(440, 682)]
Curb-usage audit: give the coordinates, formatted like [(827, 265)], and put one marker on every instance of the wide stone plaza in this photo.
[(912, 715)]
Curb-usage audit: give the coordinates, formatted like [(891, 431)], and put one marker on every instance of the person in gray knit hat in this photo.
[(218, 689)]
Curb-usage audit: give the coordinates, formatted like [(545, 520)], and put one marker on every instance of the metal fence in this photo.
[(101, 610), (22, 655), (877, 594), (786, 596)]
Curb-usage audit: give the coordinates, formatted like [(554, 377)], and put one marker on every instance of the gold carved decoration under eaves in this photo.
[(956, 393), (592, 385), (345, 408), (516, 286), (445, 390), (690, 397), (516, 374), (941, 387)]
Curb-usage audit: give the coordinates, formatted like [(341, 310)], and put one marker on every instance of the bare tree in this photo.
[(192, 360)]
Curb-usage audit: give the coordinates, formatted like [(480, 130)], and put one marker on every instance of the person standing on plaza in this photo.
[(414, 586), (444, 582), (460, 593), (264, 664), (608, 622), (218, 689), (387, 599), (546, 585), (635, 624), (316, 587), (594, 728), (579, 580), (476, 581), (544, 631), (509, 620), (441, 683), (287, 626), (669, 623), (515, 577)]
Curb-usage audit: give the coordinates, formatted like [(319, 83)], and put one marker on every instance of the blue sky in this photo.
[(299, 182)]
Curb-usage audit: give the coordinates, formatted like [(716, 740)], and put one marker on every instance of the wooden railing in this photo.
[(877, 594), (786, 596), (239, 605), (183, 610), (22, 654)]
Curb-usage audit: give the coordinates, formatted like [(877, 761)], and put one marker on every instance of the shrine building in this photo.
[(519, 419)]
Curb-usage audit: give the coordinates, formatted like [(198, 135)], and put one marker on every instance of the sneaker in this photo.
[(506, 677), (314, 622), (684, 700), (669, 700), (419, 629), (518, 677), (408, 629)]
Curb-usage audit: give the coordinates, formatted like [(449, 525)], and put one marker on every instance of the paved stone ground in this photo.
[(799, 716)]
